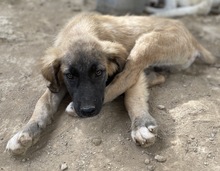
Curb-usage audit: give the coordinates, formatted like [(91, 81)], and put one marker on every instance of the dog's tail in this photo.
[(205, 55)]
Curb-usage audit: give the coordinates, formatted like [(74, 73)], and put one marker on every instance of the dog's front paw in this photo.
[(70, 110), (144, 136), (19, 143)]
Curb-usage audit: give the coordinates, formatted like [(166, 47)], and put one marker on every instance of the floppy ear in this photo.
[(116, 56), (51, 69)]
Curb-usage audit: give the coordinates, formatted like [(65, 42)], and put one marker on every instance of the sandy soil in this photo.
[(189, 136)]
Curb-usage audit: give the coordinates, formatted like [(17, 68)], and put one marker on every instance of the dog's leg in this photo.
[(44, 110), (143, 125), (201, 9), (166, 47), (70, 110)]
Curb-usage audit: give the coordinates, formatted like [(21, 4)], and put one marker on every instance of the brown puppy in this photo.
[(90, 50)]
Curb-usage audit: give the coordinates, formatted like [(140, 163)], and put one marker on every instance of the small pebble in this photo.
[(212, 135), (161, 107), (206, 164), (128, 139), (147, 161), (209, 155), (192, 137), (211, 139), (188, 141), (23, 160), (63, 166), (173, 143), (151, 168), (160, 158), (97, 141)]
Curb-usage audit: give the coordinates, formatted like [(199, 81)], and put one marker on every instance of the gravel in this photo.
[(161, 107), (63, 166), (97, 141), (160, 158), (147, 161), (151, 168)]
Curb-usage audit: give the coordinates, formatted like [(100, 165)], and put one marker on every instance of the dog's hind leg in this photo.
[(144, 127), (170, 46), (44, 110)]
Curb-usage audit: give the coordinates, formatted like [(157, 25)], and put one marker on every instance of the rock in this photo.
[(161, 107), (128, 139), (151, 168), (206, 164), (209, 155), (147, 161), (192, 137), (97, 141), (63, 166), (160, 158), (211, 139), (25, 159)]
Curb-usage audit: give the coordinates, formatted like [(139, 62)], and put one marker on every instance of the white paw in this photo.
[(70, 110), (144, 136), (19, 143)]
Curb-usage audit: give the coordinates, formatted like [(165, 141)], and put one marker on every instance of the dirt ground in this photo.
[(189, 136)]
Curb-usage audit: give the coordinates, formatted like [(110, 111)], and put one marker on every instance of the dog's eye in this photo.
[(98, 73), (69, 76)]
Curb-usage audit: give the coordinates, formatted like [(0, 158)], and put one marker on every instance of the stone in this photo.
[(160, 158), (161, 107), (97, 141), (63, 166), (147, 161)]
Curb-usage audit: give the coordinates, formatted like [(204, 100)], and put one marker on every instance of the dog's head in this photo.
[(84, 69)]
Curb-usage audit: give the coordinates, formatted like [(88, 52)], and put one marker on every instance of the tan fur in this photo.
[(137, 43)]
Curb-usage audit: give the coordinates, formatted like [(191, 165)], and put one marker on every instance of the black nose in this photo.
[(87, 110)]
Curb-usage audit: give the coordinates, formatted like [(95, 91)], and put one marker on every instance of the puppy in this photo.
[(177, 8), (95, 58)]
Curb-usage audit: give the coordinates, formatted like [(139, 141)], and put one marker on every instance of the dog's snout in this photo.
[(87, 110)]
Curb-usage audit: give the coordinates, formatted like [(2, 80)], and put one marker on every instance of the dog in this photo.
[(177, 8), (96, 58)]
